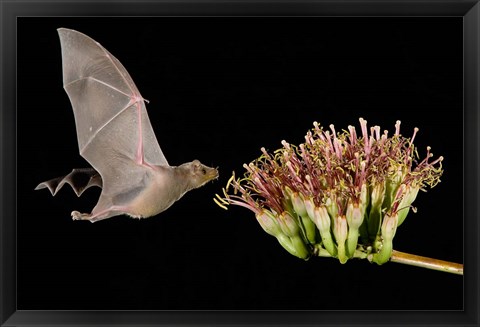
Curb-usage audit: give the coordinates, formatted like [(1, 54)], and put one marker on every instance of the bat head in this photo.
[(200, 174)]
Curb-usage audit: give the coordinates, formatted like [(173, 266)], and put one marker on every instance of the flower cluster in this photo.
[(338, 194)]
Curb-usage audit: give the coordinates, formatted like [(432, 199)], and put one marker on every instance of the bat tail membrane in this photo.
[(78, 179)]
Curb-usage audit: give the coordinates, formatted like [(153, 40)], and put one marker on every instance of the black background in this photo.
[(219, 89)]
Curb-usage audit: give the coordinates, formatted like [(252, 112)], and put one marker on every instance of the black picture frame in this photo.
[(10, 11)]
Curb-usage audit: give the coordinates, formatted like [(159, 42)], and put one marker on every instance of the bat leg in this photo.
[(103, 214)]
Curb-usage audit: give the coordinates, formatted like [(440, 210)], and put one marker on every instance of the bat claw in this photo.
[(80, 216)]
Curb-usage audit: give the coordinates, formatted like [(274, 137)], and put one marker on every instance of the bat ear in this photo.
[(201, 174), (196, 163), (198, 168)]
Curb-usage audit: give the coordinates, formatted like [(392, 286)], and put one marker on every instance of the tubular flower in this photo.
[(338, 194)]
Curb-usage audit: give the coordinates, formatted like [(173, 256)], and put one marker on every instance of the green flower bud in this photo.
[(288, 225), (267, 220), (294, 204), (298, 204), (354, 217), (309, 208), (364, 198), (310, 230), (322, 221), (375, 216), (301, 250), (290, 237), (308, 227), (389, 226), (410, 194), (392, 184), (331, 206), (340, 231), (286, 243), (378, 194)]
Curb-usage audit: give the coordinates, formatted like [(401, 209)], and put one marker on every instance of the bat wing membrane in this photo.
[(113, 129)]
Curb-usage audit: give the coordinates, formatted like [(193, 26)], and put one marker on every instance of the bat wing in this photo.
[(79, 179), (113, 130)]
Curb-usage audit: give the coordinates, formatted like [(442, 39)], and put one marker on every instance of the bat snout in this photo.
[(212, 173)]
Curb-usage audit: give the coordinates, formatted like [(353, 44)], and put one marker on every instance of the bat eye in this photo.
[(204, 171)]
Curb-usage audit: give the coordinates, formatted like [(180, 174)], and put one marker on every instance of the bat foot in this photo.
[(97, 215), (80, 216)]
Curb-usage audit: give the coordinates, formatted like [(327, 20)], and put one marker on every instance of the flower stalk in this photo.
[(341, 195), (424, 262)]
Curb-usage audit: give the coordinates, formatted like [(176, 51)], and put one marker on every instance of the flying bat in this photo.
[(116, 138)]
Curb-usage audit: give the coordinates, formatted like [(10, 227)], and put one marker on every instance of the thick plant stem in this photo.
[(424, 262)]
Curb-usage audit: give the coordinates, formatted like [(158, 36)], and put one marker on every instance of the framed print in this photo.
[(223, 81)]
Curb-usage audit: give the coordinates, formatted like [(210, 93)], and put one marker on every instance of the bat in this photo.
[(116, 138)]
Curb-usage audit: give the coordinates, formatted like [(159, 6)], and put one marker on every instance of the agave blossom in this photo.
[(338, 194)]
